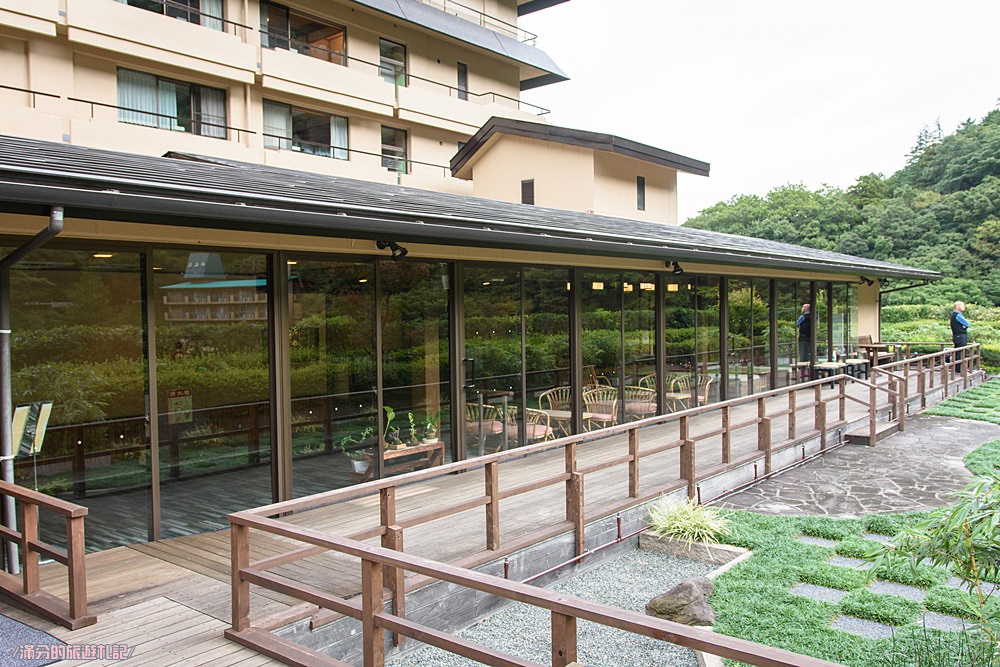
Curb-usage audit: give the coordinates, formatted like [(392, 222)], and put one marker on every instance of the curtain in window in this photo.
[(277, 122), (168, 119), (338, 137), (213, 112), (211, 14), (136, 94)]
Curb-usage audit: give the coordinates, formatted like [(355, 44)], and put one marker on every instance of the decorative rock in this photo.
[(686, 603)]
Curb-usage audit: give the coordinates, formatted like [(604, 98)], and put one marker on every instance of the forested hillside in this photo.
[(941, 211)]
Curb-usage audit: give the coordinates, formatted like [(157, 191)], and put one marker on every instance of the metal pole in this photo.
[(6, 393)]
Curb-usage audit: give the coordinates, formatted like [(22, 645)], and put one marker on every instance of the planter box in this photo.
[(716, 554)]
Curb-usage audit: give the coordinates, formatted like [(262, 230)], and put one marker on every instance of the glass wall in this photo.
[(822, 322), (708, 369), (749, 336), (493, 349), (601, 343), (679, 342), (416, 389), (213, 386), (639, 302), (333, 374), (547, 348), (77, 342)]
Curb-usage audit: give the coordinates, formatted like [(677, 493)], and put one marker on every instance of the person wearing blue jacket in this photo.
[(959, 331)]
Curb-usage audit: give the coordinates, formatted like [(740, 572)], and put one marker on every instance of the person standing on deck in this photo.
[(804, 325), (959, 331)]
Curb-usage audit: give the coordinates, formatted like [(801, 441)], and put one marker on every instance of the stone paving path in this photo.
[(914, 470), (863, 627)]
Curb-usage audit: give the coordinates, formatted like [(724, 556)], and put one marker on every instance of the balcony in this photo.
[(38, 16), (483, 19), (163, 38)]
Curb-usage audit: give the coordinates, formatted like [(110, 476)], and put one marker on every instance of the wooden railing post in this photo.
[(872, 411), (842, 403), (633, 463), (727, 446), (792, 408), (820, 421), (574, 497), (373, 635), (492, 470), (563, 639), (28, 516), (764, 442), (921, 383), (77, 569), (239, 544), (392, 577), (387, 506)]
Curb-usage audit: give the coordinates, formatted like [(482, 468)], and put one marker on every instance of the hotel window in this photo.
[(528, 191), (145, 99), (463, 81), (392, 62), (394, 150), (640, 193), (281, 28), (290, 128), (207, 13)]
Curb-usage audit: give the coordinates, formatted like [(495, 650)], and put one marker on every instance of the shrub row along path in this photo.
[(918, 469)]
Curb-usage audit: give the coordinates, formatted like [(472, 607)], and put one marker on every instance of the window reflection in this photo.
[(77, 341), (212, 387), (332, 360)]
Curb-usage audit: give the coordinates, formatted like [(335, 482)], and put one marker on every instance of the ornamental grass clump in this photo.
[(687, 521)]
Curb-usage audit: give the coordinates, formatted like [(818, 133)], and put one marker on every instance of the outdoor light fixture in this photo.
[(677, 270), (398, 251), (867, 281)]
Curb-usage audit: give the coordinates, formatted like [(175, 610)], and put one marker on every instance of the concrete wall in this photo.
[(615, 188)]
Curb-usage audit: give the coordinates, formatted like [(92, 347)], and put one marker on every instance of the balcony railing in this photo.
[(395, 163), (483, 19), (166, 121), (189, 14), (400, 78)]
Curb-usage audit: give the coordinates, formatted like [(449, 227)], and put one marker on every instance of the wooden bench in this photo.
[(410, 458)]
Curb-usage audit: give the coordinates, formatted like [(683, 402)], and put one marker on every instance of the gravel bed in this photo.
[(628, 582)]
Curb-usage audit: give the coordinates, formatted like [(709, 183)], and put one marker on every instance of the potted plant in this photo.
[(431, 427), (390, 437), (358, 455), (414, 435)]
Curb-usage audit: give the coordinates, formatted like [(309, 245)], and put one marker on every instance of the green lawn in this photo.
[(752, 601)]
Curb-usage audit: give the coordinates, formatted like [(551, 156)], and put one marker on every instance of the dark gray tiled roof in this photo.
[(198, 191)]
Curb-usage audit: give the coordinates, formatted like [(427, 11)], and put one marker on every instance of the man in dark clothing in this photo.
[(804, 325), (959, 331)]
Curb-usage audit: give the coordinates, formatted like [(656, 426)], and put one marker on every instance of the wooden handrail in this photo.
[(26, 590), (374, 559), (696, 460)]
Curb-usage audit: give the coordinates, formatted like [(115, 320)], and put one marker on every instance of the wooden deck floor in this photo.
[(170, 600)]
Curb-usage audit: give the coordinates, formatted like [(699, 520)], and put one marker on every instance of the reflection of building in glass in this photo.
[(216, 301)]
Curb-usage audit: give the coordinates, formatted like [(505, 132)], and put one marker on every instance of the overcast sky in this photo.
[(771, 92)]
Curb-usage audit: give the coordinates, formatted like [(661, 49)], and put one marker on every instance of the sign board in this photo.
[(30, 421), (179, 406)]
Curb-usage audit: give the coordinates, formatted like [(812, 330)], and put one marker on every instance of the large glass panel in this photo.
[(639, 303), (212, 387), (546, 326), (415, 370), (789, 305), (748, 336), (822, 323), (394, 150), (332, 360), (77, 321), (841, 328), (678, 343), (601, 340), (708, 372), (494, 407)]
